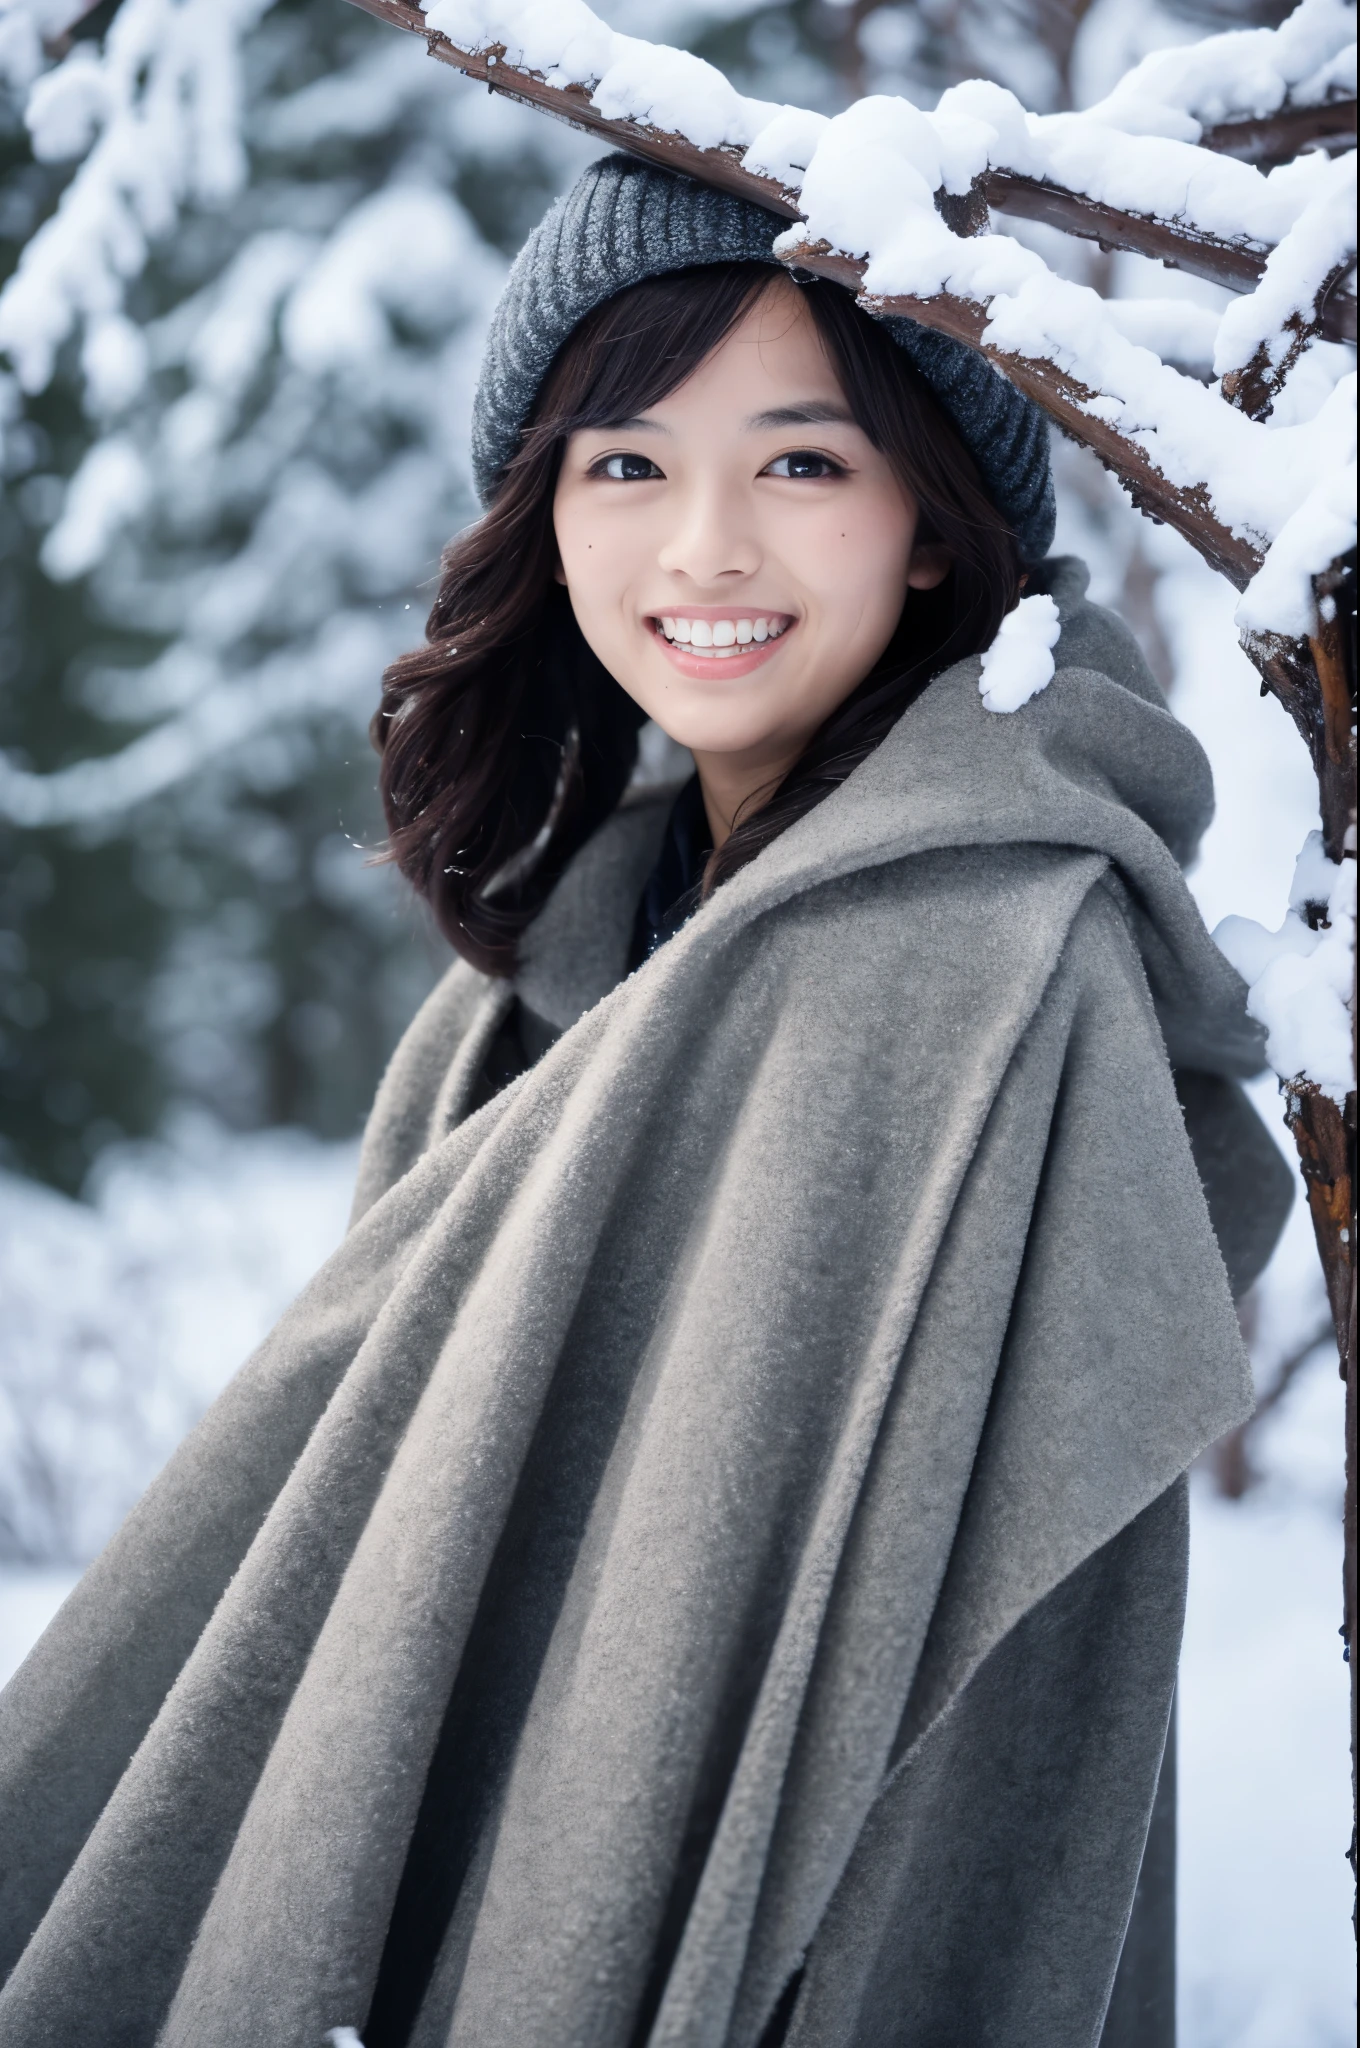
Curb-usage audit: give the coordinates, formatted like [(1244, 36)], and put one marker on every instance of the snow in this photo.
[(1245, 73), (110, 487), (1321, 240), (868, 190), (25, 25), (1019, 662), (630, 80), (339, 664), (975, 126), (157, 109), (1300, 980), (1265, 1953), (124, 1316), (1279, 598), (1181, 333), (409, 254)]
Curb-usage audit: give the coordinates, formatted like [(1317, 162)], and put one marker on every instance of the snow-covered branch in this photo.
[(877, 196), (1246, 75), (155, 115), (1262, 336)]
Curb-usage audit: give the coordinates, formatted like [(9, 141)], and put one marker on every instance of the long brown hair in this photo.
[(505, 742)]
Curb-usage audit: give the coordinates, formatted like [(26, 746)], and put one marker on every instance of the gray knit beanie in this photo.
[(624, 221)]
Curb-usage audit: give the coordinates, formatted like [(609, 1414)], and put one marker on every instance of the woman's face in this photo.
[(738, 555)]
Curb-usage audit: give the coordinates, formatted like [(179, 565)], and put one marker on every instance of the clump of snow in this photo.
[(1019, 662), (1245, 73), (783, 149), (1321, 239), (110, 488), (25, 26), (1299, 979), (1280, 597), (630, 80), (1182, 333)]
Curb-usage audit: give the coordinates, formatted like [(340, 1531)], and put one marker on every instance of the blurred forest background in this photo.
[(233, 427)]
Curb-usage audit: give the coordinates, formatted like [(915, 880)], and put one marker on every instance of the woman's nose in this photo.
[(713, 538)]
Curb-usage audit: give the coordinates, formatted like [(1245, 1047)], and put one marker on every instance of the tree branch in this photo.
[(1278, 138), (1176, 243), (1068, 402), (1255, 387)]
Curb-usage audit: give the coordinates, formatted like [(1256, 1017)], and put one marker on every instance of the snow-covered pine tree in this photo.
[(229, 478)]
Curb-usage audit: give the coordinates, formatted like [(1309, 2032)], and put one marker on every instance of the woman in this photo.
[(704, 1562)]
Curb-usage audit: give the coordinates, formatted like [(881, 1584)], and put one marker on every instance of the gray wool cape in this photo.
[(719, 1515)]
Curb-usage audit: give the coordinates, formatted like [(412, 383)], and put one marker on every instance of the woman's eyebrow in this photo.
[(637, 423), (813, 412)]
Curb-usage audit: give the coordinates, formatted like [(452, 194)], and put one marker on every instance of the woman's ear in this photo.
[(929, 565)]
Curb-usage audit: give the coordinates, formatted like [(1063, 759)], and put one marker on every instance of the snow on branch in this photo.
[(340, 663), (31, 32), (155, 115), (877, 193), (1156, 194), (1299, 978), (1263, 335), (1246, 75)]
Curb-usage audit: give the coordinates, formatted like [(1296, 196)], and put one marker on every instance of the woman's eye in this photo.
[(627, 469), (804, 462)]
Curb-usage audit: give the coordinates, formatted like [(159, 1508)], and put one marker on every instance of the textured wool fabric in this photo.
[(718, 1513), (624, 221)]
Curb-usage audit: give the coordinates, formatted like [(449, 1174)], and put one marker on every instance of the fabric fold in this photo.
[(525, 1648)]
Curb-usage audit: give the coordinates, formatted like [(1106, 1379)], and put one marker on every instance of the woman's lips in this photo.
[(710, 644)]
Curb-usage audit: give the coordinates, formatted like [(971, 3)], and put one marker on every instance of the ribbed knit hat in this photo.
[(624, 221)]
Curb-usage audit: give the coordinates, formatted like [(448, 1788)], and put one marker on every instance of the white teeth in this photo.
[(721, 637)]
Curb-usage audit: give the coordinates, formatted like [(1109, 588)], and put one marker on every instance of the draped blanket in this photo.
[(532, 1644)]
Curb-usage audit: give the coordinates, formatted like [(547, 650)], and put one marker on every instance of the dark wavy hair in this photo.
[(504, 742)]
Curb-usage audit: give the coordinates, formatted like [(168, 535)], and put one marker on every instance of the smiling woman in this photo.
[(717, 446), (704, 1561), (706, 543)]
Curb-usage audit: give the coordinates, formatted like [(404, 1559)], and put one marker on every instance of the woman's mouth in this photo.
[(745, 638)]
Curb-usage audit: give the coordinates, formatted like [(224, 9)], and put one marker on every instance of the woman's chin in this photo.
[(745, 740)]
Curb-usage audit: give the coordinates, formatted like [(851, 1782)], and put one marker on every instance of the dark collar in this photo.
[(672, 888)]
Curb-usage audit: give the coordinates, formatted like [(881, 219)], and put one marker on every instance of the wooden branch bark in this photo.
[(1067, 403), (1238, 265), (1278, 138), (1255, 387), (1235, 264)]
